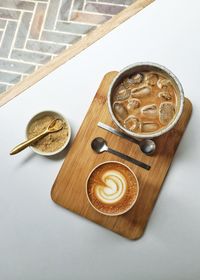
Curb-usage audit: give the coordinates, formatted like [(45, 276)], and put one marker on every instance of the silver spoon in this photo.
[(99, 145), (147, 146)]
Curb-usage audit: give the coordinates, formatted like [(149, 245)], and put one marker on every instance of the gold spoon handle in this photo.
[(27, 143)]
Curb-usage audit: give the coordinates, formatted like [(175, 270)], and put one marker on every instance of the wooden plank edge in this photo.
[(66, 55)]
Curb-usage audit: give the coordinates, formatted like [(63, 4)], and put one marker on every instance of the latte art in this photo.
[(114, 188)]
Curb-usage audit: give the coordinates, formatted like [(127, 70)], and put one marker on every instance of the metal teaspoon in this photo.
[(147, 146), (99, 145)]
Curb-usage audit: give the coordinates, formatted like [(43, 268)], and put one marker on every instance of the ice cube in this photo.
[(133, 103), (137, 78), (166, 112), (150, 111), (119, 110), (162, 83), (131, 123), (122, 93), (152, 79), (149, 126), (165, 95), (141, 91)]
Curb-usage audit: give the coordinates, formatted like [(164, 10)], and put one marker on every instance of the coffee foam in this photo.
[(112, 188)]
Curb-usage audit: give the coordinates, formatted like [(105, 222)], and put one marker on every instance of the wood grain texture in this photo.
[(69, 187), (66, 55)]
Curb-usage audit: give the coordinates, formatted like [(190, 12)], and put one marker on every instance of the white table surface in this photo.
[(42, 241)]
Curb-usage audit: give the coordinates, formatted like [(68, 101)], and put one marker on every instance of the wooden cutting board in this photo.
[(69, 187)]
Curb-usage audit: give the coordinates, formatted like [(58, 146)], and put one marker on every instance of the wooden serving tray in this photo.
[(69, 187)]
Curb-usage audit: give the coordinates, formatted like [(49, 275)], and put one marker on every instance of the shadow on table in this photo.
[(62, 154), (29, 158), (59, 156)]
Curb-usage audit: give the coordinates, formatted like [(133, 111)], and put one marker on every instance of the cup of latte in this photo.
[(145, 100), (112, 188)]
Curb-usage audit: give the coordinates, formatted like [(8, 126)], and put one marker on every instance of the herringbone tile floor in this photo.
[(32, 32)]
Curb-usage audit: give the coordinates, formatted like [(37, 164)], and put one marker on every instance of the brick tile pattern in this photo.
[(32, 32)]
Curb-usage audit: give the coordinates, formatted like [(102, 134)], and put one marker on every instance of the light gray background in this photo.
[(42, 241)]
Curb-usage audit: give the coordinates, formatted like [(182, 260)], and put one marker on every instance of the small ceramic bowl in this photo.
[(56, 115), (130, 205), (140, 67)]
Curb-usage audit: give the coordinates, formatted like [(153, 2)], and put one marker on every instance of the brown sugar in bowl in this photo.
[(52, 143)]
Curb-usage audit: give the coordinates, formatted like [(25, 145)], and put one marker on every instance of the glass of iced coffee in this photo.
[(145, 100)]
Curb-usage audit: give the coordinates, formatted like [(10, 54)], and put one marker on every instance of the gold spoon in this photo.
[(50, 129)]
